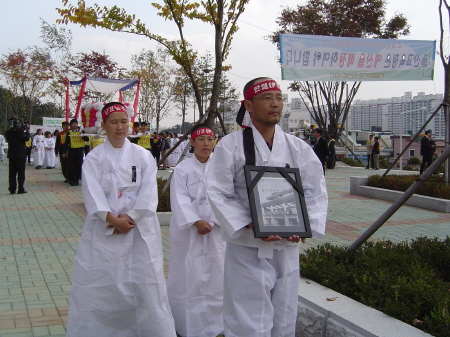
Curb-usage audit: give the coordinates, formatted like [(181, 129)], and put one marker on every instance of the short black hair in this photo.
[(64, 123), (144, 123), (136, 124), (318, 130)]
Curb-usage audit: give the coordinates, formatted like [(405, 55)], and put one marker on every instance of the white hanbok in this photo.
[(49, 160), (196, 265), (38, 150), (261, 278), (173, 158), (118, 286)]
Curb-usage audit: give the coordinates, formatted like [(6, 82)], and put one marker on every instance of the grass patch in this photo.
[(409, 281)]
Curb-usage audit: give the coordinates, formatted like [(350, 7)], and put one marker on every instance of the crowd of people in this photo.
[(222, 279)]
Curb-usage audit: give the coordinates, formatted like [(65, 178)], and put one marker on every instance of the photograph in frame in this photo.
[(277, 203)]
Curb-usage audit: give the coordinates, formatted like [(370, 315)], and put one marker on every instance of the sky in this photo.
[(252, 54)]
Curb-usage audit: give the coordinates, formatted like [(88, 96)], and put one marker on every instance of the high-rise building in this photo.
[(406, 114)]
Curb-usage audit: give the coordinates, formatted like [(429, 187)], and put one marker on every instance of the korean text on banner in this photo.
[(331, 58)]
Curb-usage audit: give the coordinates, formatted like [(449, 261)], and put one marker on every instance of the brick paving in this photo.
[(39, 232)]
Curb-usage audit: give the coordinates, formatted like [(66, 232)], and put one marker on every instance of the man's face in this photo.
[(74, 125), (143, 128), (136, 129), (65, 127), (316, 135), (265, 108)]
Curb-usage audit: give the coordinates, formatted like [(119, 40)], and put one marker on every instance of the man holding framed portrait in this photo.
[(286, 185)]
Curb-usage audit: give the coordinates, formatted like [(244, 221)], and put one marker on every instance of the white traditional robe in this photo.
[(118, 287), (49, 160), (175, 155), (39, 150), (261, 278), (195, 282)]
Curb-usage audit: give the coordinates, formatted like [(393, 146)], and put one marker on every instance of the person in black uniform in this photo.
[(74, 144), (16, 137), (320, 147), (427, 148)]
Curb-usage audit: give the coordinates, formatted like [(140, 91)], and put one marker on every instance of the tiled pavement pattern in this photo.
[(39, 232)]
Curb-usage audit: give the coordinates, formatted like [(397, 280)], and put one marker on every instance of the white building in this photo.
[(404, 114)]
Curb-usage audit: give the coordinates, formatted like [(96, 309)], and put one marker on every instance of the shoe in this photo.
[(66, 181), (12, 192), (48, 167), (38, 167), (21, 192), (73, 184)]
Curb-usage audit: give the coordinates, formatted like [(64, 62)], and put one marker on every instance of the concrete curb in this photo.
[(343, 316), (358, 186), (164, 218)]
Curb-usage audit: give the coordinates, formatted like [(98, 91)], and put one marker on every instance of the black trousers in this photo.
[(16, 169), (64, 166), (426, 160), (75, 162)]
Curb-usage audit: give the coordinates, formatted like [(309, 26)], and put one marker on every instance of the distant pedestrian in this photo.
[(39, 149), (331, 162), (49, 146), (61, 150), (320, 147), (376, 154), (369, 145), (75, 152), (427, 148), (16, 136), (2, 143)]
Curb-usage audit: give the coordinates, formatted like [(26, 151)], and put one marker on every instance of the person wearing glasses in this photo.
[(261, 274)]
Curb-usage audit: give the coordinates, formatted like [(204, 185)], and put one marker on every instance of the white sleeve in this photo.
[(184, 213)]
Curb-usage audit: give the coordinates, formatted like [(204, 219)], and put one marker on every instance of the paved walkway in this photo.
[(39, 232)]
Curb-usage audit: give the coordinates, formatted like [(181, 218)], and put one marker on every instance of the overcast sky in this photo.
[(252, 55)]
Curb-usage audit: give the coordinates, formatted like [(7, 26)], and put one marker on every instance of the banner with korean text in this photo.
[(331, 58)]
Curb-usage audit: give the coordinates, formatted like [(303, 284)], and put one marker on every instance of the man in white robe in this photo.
[(262, 275), (118, 286), (195, 282), (39, 149)]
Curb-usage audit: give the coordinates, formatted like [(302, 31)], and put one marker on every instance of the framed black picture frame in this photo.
[(277, 201)]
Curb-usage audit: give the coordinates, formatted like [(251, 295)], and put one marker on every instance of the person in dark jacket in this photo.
[(320, 147), (427, 148), (331, 163), (376, 154), (16, 137)]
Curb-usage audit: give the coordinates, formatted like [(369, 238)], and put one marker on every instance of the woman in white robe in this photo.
[(49, 146), (39, 149), (196, 264), (118, 286)]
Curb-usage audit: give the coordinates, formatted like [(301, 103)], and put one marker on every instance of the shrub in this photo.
[(408, 281), (433, 187), (351, 162)]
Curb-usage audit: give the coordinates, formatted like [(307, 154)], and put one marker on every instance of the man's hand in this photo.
[(203, 227), (271, 238)]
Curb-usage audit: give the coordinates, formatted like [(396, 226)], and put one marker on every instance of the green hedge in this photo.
[(433, 187), (409, 280)]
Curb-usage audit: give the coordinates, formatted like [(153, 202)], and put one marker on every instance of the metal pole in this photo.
[(401, 141), (400, 201), (447, 142)]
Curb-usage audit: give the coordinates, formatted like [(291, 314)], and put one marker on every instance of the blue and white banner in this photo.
[(331, 58)]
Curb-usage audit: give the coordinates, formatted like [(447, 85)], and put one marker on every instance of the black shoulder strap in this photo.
[(249, 147)]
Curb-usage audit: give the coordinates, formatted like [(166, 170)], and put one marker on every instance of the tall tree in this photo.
[(27, 73), (96, 65), (444, 6), (182, 97), (329, 102), (221, 14), (157, 84), (59, 43)]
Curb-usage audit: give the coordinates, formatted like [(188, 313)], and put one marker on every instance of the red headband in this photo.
[(269, 85), (202, 132), (113, 108)]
